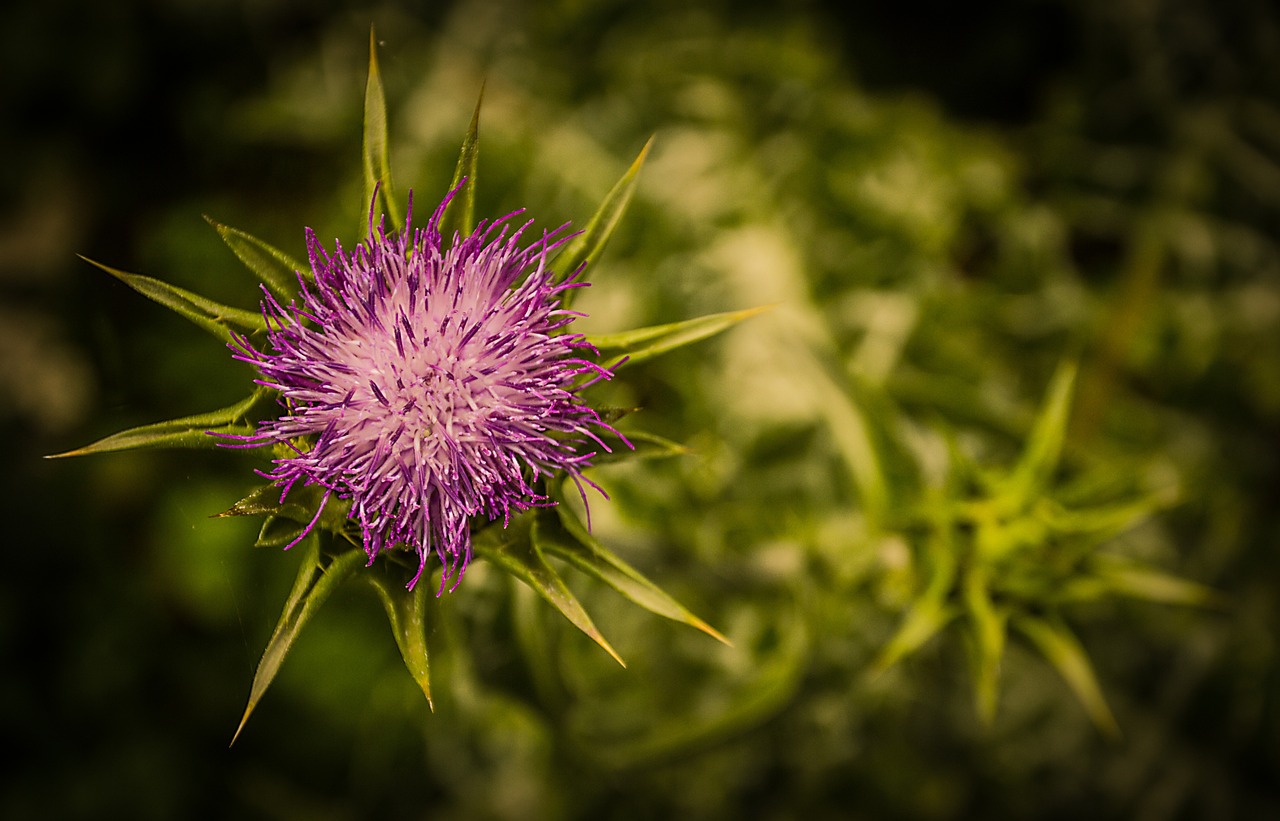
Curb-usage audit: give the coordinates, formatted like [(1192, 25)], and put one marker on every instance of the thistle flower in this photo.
[(428, 385), (428, 389)]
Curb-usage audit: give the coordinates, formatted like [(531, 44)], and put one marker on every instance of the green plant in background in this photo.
[(429, 394), (1008, 550)]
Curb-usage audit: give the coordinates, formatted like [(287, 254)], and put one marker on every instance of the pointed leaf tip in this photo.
[(214, 317), (318, 576), (1061, 648), (460, 214), (635, 346), (376, 156), (276, 269), (560, 532), (585, 248), (514, 550), (1048, 435), (407, 614), (187, 432)]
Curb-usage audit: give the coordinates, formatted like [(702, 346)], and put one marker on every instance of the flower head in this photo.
[(428, 386)]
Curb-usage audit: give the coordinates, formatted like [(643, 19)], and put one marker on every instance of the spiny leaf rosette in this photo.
[(428, 386)]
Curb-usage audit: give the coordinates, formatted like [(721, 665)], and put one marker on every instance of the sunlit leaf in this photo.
[(265, 500), (928, 614), (460, 216), (534, 641), (587, 246), (214, 317), (1056, 642), (278, 531), (852, 423), (318, 576), (1102, 522), (1129, 578), (561, 533), (513, 550), (643, 446), (407, 612), (988, 626), (1044, 445), (645, 343), (286, 519), (187, 432), (277, 270), (377, 158)]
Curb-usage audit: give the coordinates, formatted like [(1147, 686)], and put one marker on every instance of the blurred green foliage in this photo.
[(939, 233)]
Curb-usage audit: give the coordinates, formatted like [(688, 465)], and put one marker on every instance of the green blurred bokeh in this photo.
[(942, 202)]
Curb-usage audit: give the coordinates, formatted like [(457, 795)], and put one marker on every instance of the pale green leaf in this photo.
[(187, 432), (587, 246), (928, 614), (377, 158), (857, 428), (513, 550), (277, 270), (988, 626), (528, 625), (279, 531), (287, 519), (1056, 642), (637, 345), (925, 619), (1043, 450), (318, 576), (643, 446), (460, 216), (407, 613), (214, 317), (1102, 522), (561, 533), (1129, 578)]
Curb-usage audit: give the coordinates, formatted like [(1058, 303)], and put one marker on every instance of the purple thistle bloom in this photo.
[(428, 386)]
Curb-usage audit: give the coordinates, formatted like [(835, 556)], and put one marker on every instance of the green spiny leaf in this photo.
[(214, 317), (587, 246), (265, 500), (1129, 578), (1056, 642), (377, 159), (187, 432), (513, 549), (407, 612), (278, 531), (1044, 445), (637, 345), (277, 270), (646, 446), (924, 620), (561, 533), (852, 421), (460, 216), (929, 613), (318, 576), (1102, 522), (989, 628), (528, 624), (287, 519)]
